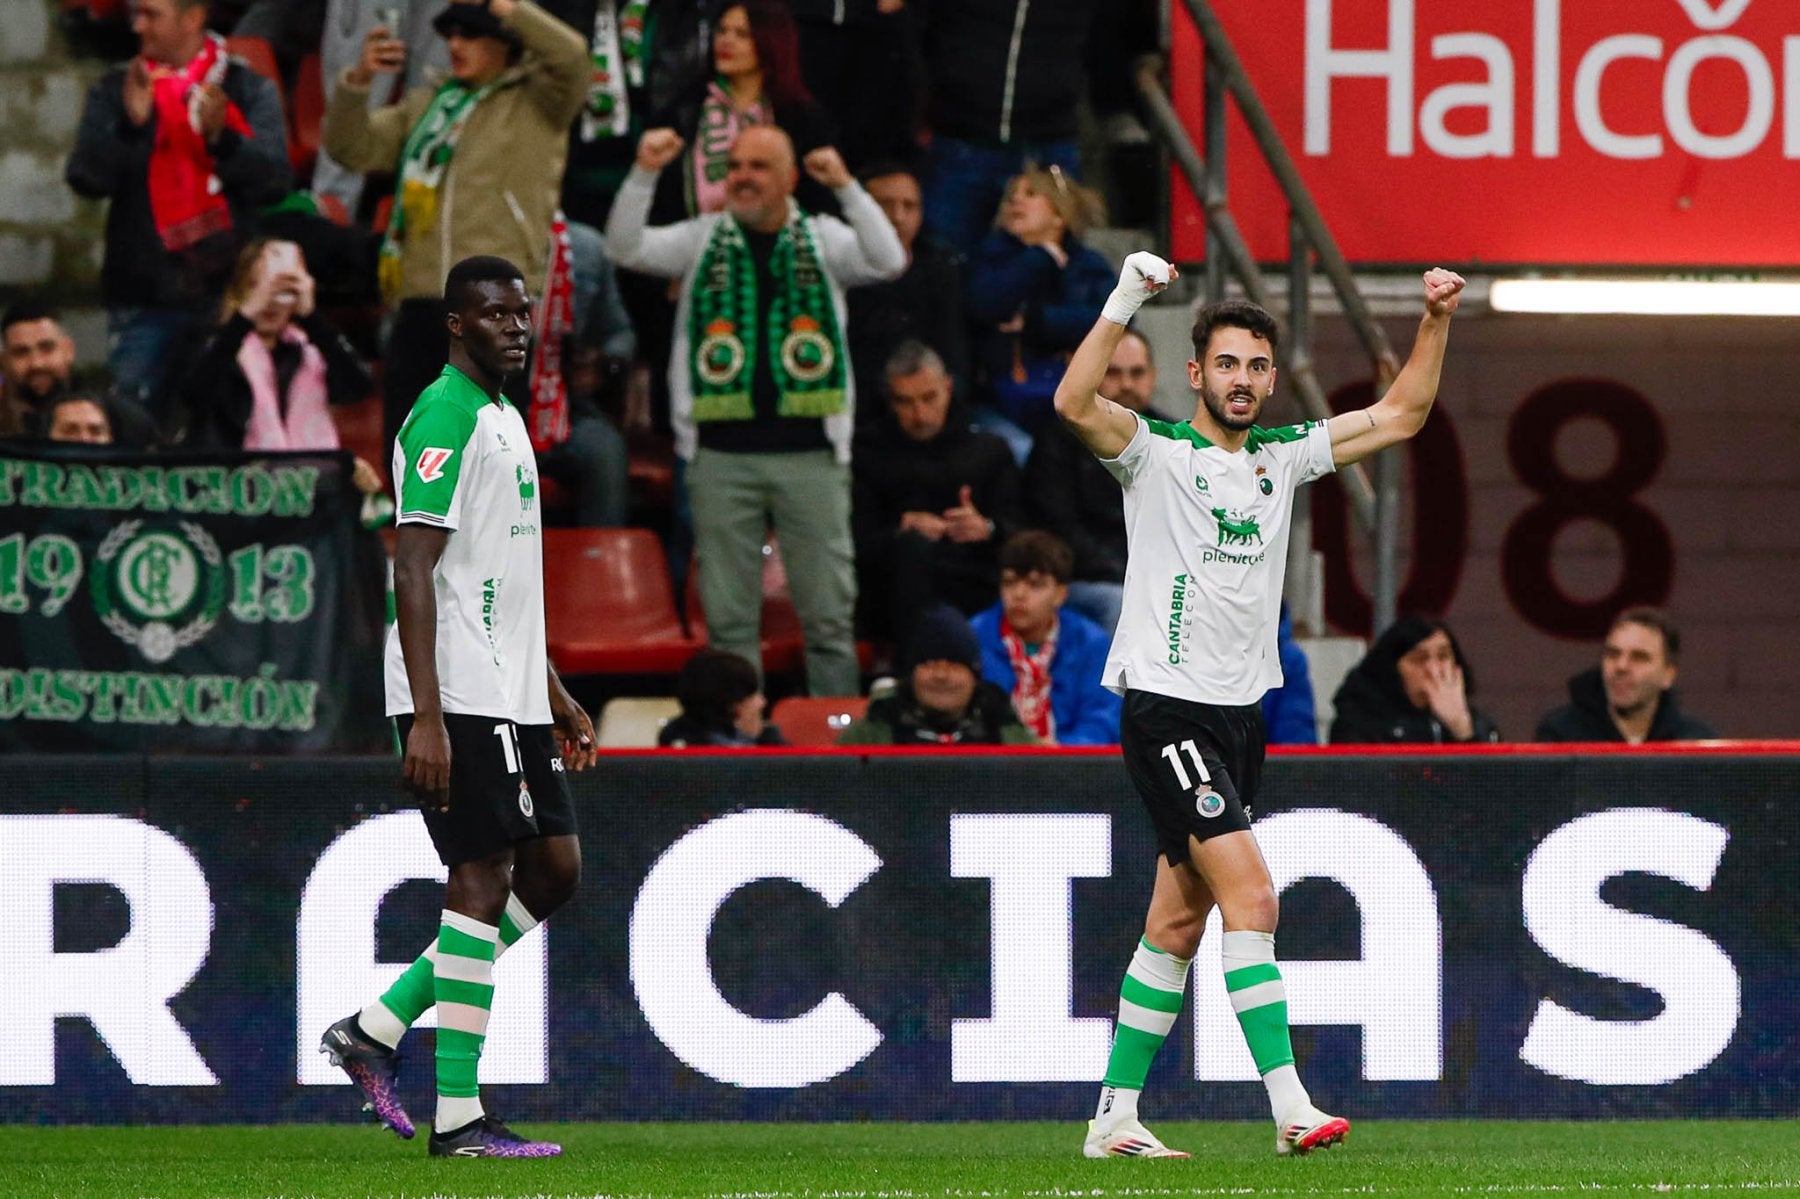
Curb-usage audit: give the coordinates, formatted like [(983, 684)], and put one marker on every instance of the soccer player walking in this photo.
[(487, 726), (1207, 512)]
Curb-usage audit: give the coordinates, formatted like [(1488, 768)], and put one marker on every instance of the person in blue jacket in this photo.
[(1034, 289), (1048, 658), (1288, 713)]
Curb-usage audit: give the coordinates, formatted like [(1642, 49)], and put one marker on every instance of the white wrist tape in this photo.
[(1141, 270)]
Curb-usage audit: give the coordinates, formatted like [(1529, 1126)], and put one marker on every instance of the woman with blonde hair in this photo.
[(1034, 291)]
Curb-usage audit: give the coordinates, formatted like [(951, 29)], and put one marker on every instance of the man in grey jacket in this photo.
[(761, 388)]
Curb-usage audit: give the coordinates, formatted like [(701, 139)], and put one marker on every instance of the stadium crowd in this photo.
[(807, 273)]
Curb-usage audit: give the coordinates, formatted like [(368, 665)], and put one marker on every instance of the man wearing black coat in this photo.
[(1631, 695), (924, 304), (183, 199), (932, 501)]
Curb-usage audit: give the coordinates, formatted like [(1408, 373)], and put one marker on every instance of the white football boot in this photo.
[(1306, 1128), (1125, 1138)]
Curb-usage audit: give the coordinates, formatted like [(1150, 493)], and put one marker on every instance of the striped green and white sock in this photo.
[(1259, 998), (401, 1005), (1149, 1000), (464, 985)]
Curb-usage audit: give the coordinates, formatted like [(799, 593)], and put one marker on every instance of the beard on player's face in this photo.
[(1218, 404)]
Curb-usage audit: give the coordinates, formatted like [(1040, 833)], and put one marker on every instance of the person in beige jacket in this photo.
[(479, 158)]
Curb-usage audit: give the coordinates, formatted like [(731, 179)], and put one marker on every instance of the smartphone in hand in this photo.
[(283, 258)]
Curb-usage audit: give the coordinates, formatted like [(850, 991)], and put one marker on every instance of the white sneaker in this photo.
[(1125, 1138), (1307, 1128)]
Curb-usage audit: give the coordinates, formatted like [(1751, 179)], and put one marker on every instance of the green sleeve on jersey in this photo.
[(434, 440), (1260, 436), (1180, 432)]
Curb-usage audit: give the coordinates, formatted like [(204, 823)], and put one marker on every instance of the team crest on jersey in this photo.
[(431, 463), (1208, 803), (526, 807), (1264, 483)]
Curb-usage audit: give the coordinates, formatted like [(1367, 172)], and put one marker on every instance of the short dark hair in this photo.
[(1037, 551), (1234, 314), (482, 268), (46, 415), (1652, 618), (23, 312), (881, 168), (912, 356), (712, 684)]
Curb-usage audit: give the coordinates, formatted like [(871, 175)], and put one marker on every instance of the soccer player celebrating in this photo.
[(1207, 510), (487, 725)]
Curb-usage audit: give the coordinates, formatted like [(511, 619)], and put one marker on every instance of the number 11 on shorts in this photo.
[(509, 745), (1174, 752)]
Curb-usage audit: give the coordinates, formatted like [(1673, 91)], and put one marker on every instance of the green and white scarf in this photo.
[(617, 49), (726, 331), (423, 161)]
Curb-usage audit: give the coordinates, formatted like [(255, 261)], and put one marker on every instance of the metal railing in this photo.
[(1375, 504)]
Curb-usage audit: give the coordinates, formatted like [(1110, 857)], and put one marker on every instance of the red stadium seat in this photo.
[(308, 113), (260, 57), (608, 604), (816, 720), (360, 431), (98, 10), (553, 497), (652, 472), (332, 209)]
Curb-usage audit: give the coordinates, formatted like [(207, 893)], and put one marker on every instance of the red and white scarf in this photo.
[(187, 201), (306, 423), (548, 416), (1031, 679)]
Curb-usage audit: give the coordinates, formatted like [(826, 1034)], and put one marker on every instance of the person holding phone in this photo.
[(412, 53), (266, 376), (479, 158)]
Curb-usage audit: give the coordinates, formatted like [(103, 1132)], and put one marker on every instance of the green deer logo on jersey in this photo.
[(1241, 531), (527, 485)]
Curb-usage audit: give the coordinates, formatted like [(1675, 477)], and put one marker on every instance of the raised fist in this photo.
[(1443, 291), (658, 148), (827, 166)]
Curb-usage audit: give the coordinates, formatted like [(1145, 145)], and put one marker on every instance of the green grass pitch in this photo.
[(910, 1161)]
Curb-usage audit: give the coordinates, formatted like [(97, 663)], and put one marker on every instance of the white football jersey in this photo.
[(1207, 531), (463, 462)]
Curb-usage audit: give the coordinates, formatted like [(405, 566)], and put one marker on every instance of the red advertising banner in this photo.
[(1663, 132)]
